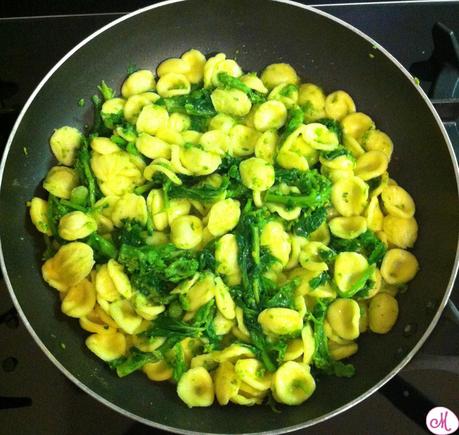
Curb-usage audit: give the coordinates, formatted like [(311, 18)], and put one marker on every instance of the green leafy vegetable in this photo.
[(334, 126), (55, 211), (321, 358), (319, 280), (367, 244), (283, 296), (309, 222), (231, 82), (178, 362), (294, 120), (288, 90), (132, 68), (374, 183), (106, 91), (197, 103), (131, 233), (315, 189), (177, 330), (103, 248), (135, 360), (83, 168), (360, 284), (337, 152)]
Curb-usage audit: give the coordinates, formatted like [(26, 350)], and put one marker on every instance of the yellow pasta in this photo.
[(186, 232), (343, 316), (376, 140), (76, 225), (349, 196), (60, 181), (227, 230), (382, 313), (399, 266), (400, 232), (64, 143), (356, 125), (292, 383), (39, 215), (226, 382), (79, 300), (137, 83), (72, 263), (107, 346), (270, 115), (280, 321), (311, 99), (278, 74), (398, 202), (196, 387), (348, 227), (338, 104)]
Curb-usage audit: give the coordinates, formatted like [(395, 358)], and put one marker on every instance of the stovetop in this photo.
[(35, 398)]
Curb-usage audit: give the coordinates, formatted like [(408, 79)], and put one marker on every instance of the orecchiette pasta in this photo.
[(64, 143), (60, 181), (338, 104), (138, 82), (226, 231), (279, 74), (39, 215)]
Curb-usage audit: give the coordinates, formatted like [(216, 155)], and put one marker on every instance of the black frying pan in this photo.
[(258, 32)]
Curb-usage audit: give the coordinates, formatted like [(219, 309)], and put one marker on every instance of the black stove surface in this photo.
[(35, 398)]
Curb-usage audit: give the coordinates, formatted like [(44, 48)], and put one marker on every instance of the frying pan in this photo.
[(323, 50)]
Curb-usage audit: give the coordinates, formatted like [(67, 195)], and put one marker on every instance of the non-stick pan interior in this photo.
[(256, 33)]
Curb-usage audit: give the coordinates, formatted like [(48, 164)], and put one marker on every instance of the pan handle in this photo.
[(407, 398)]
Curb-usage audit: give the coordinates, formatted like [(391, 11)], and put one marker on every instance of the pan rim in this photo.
[(308, 423)]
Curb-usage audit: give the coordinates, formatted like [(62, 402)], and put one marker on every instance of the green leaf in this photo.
[(319, 280), (134, 361), (321, 358), (359, 284), (106, 91), (83, 168), (309, 222), (178, 363), (367, 244), (334, 126), (337, 152), (230, 82)]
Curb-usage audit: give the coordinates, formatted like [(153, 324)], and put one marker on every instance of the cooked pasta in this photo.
[(232, 233)]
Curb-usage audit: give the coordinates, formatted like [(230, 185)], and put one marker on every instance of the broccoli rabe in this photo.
[(165, 261), (103, 248), (106, 91), (309, 222), (337, 152), (321, 358), (367, 244), (175, 330), (319, 280), (257, 292), (83, 168), (54, 213), (205, 192), (334, 126), (197, 103), (231, 82), (133, 361), (294, 120), (315, 189)]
